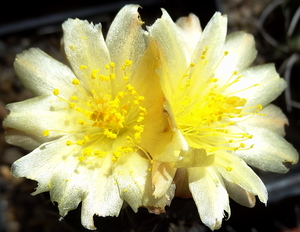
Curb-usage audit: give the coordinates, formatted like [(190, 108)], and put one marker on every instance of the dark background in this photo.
[(38, 24)]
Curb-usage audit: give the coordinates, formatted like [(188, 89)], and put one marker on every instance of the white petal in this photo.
[(102, 198), (135, 185), (85, 48), (174, 55), (239, 195), (34, 116), (273, 119), (162, 178), (191, 31), (56, 168), (212, 42), (24, 140), (210, 195), (270, 150), (126, 40), (241, 53), (41, 73), (235, 170), (268, 85)]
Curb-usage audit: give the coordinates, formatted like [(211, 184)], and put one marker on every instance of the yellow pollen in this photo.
[(81, 122), (74, 98), (228, 168), (94, 73), (128, 62), (71, 105), (56, 92), (112, 64), (259, 107), (82, 67), (109, 134), (46, 133), (69, 143), (75, 81), (112, 76)]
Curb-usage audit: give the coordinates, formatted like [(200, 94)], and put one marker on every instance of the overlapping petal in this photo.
[(42, 79), (126, 39), (167, 41), (210, 195), (85, 48)]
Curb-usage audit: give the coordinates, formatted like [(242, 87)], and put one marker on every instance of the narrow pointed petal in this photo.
[(130, 42), (162, 177), (241, 51), (103, 199), (191, 31), (23, 139), (85, 48), (42, 79), (167, 35), (261, 85), (210, 48), (270, 151), (36, 115), (240, 195), (210, 196), (235, 170), (271, 118)]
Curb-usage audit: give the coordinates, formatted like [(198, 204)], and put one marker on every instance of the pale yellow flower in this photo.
[(220, 114), (95, 123)]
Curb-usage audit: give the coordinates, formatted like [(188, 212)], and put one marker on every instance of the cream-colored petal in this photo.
[(162, 177), (259, 85), (269, 152), (235, 170), (85, 49), (126, 40), (102, 198), (194, 158), (208, 51), (41, 73), (56, 168), (156, 126), (191, 31), (34, 116), (240, 195), (131, 178), (135, 184), (23, 139), (174, 56), (272, 119), (210, 195), (241, 53)]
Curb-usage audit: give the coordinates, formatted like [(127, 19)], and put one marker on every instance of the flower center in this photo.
[(107, 111), (207, 117)]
